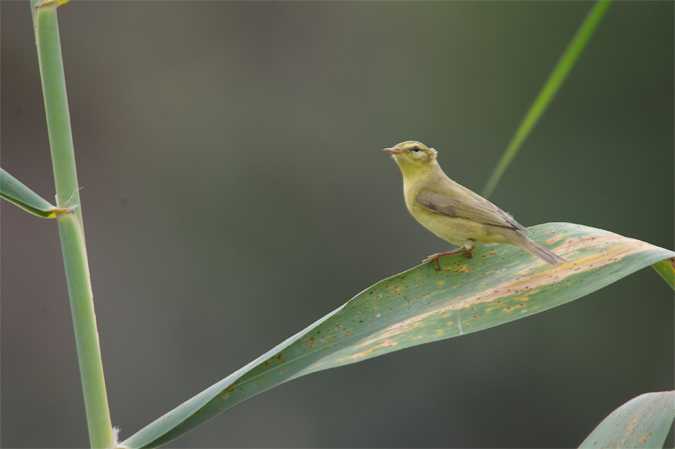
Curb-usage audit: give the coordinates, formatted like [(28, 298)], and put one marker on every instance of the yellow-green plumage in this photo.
[(453, 212)]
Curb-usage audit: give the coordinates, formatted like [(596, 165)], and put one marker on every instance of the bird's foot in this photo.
[(435, 257)]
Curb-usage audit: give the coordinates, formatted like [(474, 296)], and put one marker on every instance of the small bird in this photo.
[(453, 212)]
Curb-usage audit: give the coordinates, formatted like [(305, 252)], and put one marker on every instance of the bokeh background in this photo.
[(234, 191)]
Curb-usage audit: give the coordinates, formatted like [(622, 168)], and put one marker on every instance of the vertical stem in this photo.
[(70, 224), (56, 105)]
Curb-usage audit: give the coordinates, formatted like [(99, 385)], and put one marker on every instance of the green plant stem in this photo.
[(56, 105), (548, 92), (70, 224), (86, 333)]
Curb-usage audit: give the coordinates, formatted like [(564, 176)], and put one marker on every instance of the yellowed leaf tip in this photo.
[(61, 210)]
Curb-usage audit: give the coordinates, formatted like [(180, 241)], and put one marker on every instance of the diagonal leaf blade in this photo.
[(500, 284), (643, 421), (666, 268), (16, 192)]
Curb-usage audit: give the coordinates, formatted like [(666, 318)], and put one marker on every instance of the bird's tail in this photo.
[(536, 249)]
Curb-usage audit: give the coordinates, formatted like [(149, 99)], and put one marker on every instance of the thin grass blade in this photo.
[(18, 193), (548, 92)]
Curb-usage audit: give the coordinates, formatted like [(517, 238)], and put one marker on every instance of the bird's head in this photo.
[(412, 155)]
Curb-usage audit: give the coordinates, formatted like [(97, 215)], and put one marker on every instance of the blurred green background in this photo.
[(234, 191)]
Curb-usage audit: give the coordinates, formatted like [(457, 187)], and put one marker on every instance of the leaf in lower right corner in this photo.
[(643, 421)]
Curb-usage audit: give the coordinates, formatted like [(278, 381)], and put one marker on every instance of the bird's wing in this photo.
[(474, 208)]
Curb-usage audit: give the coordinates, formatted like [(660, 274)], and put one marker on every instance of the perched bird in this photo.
[(453, 212)]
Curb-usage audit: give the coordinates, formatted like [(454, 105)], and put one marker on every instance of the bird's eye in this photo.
[(416, 148)]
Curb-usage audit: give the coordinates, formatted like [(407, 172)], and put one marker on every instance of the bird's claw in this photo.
[(435, 257)]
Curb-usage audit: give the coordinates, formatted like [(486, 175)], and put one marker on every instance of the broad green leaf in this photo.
[(643, 421), (16, 192), (501, 283)]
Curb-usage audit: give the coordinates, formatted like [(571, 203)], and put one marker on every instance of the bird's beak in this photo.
[(393, 151)]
